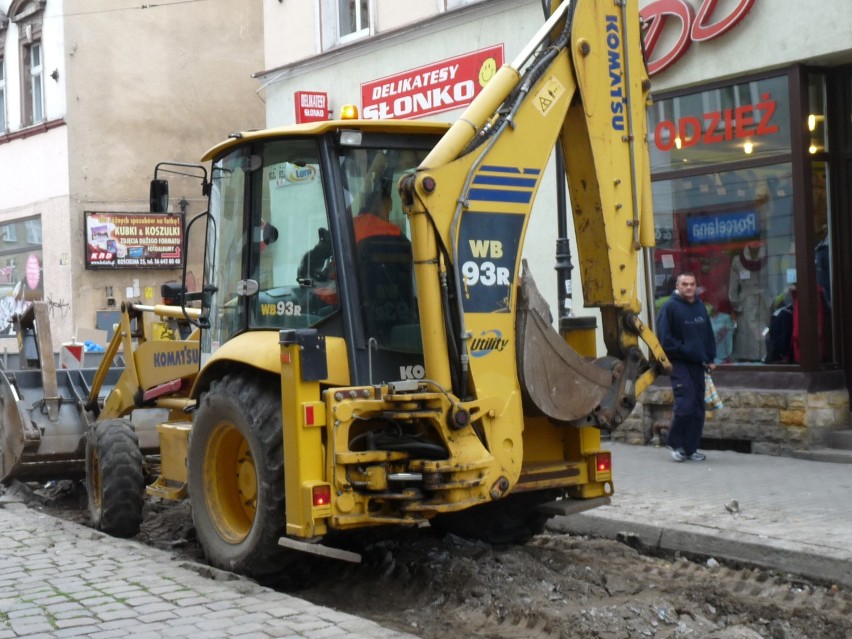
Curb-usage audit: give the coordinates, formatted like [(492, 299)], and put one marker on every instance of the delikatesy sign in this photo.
[(434, 88)]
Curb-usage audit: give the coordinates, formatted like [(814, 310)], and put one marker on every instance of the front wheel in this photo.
[(115, 482), (236, 475)]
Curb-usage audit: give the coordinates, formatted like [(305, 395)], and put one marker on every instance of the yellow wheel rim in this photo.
[(230, 482)]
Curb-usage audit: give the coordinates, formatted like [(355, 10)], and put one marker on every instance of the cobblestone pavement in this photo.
[(59, 579)]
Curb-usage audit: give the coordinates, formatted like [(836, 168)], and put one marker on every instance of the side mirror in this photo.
[(159, 201)]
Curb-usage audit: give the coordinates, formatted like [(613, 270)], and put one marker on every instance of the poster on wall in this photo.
[(133, 240)]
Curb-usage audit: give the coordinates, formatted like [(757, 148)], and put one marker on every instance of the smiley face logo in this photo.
[(487, 71)]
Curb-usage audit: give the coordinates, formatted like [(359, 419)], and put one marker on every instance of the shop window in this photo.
[(8, 233), (33, 228), (822, 257), (823, 223), (21, 276), (742, 122), (734, 231)]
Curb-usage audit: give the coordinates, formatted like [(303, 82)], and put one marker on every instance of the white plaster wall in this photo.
[(399, 13), (53, 43), (34, 169), (290, 31)]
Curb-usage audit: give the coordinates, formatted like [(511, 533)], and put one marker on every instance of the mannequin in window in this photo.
[(723, 329), (748, 291)]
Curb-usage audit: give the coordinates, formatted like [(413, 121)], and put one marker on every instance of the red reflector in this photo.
[(309, 415), (603, 462), (322, 495)]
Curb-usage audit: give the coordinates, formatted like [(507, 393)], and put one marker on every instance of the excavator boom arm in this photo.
[(582, 83)]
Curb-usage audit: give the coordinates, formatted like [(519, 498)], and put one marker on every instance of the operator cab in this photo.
[(308, 231)]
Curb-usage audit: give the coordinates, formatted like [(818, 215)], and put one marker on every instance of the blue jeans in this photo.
[(688, 419)]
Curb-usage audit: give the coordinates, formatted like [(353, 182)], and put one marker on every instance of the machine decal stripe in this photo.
[(495, 195), (492, 168), (494, 180)]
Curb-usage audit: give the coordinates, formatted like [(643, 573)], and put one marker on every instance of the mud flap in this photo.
[(556, 382)]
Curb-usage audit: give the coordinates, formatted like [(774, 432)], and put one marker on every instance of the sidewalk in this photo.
[(59, 579), (790, 514)]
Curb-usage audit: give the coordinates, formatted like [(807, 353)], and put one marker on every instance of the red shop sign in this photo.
[(434, 88), (713, 127), (693, 27), (311, 106)]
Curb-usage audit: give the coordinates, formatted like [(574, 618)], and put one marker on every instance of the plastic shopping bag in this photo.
[(712, 401)]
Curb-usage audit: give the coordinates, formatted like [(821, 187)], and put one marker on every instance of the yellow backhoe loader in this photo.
[(370, 348)]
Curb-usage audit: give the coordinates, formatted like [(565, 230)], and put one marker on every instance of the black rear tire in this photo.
[(115, 482), (236, 475)]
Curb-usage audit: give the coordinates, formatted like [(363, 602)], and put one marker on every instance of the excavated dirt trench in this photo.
[(555, 586)]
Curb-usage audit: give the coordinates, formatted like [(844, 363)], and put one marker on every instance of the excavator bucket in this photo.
[(556, 382), (43, 417)]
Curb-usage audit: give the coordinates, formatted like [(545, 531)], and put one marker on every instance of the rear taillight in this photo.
[(321, 495)]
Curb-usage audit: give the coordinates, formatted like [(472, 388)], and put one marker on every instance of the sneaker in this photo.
[(696, 456), (678, 455)]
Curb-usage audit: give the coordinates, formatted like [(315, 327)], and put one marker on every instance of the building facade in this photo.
[(93, 94), (751, 166)]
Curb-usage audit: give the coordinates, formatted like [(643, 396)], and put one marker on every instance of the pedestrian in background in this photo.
[(686, 335)]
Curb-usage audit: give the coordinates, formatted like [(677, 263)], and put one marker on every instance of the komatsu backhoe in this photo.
[(370, 348)]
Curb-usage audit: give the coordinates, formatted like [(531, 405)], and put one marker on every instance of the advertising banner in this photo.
[(133, 240), (434, 88)]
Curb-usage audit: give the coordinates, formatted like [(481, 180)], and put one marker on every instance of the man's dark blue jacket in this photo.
[(685, 332)]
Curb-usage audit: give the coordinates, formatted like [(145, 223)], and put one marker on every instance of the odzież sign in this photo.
[(694, 27), (133, 240), (311, 106), (434, 88)]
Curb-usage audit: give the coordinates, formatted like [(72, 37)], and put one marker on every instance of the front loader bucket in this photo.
[(43, 419), (43, 437)]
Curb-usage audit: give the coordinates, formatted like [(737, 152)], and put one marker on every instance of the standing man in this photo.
[(686, 335)]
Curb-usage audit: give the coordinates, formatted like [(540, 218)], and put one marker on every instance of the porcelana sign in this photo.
[(434, 88), (703, 26)]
